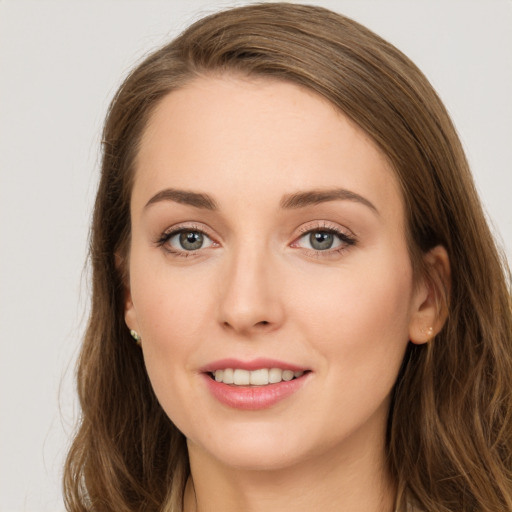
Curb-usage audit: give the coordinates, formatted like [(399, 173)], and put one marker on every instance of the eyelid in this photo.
[(346, 236), (174, 230), (325, 225)]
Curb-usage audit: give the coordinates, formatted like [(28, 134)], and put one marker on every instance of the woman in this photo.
[(287, 228)]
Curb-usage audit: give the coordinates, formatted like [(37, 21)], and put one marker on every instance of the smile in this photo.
[(259, 377)]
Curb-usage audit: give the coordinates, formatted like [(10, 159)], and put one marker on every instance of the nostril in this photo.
[(243, 325)]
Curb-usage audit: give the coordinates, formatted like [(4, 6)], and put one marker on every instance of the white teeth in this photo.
[(287, 375), (241, 377), (275, 375), (260, 377), (227, 377)]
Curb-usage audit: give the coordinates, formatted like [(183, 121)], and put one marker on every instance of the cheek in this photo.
[(361, 317), (174, 317), (171, 305), (359, 327)]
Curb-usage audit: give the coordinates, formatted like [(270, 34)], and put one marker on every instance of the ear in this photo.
[(130, 316), (431, 297)]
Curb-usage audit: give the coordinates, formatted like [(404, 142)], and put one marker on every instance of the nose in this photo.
[(250, 294)]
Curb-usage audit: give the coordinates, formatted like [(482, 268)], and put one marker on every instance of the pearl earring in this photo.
[(136, 337), (429, 331)]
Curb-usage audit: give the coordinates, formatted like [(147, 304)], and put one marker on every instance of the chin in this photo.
[(258, 459), (259, 448)]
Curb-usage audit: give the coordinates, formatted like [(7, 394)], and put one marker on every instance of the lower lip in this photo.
[(252, 398)]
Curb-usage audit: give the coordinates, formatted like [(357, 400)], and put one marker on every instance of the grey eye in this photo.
[(189, 240), (321, 240)]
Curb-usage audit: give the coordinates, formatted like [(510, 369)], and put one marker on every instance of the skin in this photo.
[(257, 289)]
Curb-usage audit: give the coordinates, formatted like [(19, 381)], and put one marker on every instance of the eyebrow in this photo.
[(196, 199), (288, 202), (312, 197)]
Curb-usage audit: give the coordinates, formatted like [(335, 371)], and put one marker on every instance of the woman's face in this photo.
[(267, 239)]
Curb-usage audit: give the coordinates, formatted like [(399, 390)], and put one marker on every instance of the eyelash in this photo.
[(167, 235), (346, 240)]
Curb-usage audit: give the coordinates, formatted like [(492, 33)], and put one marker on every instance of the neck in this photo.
[(348, 480)]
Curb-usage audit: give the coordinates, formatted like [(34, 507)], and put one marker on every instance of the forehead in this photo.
[(230, 135)]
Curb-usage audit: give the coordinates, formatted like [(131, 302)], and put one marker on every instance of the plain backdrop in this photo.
[(60, 63)]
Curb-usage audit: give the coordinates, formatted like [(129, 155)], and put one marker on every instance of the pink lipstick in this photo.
[(255, 384)]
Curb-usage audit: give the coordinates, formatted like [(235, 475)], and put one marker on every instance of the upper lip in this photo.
[(253, 364)]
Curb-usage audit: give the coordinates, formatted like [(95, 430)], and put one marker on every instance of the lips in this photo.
[(252, 385)]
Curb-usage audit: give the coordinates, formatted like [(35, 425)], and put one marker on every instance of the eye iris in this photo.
[(191, 240), (321, 240)]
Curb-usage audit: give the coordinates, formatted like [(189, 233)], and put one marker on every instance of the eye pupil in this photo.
[(191, 240), (321, 240)]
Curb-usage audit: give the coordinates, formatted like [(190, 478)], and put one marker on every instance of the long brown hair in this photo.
[(449, 436)]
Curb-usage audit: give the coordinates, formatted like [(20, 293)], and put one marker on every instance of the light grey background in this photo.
[(60, 63)]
